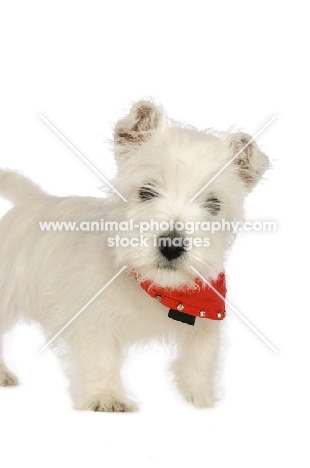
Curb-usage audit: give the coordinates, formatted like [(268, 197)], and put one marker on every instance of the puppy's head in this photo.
[(181, 184)]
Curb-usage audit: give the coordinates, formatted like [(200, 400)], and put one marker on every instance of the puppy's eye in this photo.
[(212, 204), (147, 192)]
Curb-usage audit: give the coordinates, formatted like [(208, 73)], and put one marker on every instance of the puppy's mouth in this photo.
[(167, 266)]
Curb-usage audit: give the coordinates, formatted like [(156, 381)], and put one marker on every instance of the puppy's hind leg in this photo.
[(6, 376)]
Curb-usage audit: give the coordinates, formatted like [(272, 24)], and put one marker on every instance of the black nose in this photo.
[(171, 246)]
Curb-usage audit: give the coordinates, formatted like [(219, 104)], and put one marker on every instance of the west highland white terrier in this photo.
[(154, 269)]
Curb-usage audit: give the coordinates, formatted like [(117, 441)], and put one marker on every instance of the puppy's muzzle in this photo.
[(171, 246)]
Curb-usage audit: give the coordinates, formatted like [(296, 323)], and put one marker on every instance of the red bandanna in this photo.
[(203, 301)]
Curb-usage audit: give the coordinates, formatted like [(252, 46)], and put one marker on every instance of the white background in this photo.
[(211, 64)]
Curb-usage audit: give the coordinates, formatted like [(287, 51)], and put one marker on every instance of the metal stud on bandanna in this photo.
[(186, 304)]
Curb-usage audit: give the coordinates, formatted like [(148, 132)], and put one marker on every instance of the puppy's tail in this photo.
[(18, 188)]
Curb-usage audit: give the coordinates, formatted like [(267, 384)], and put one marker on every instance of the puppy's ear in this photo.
[(251, 162), (137, 127)]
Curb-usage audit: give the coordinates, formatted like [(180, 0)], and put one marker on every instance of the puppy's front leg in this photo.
[(96, 358), (195, 367)]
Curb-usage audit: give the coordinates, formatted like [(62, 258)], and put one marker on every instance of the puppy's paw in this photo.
[(205, 400), (107, 405), (198, 396), (110, 407), (7, 378)]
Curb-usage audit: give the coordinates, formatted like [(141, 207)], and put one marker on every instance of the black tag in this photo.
[(181, 317)]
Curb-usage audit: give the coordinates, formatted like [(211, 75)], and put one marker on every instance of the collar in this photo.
[(186, 304)]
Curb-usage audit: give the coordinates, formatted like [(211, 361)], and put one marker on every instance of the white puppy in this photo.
[(47, 276)]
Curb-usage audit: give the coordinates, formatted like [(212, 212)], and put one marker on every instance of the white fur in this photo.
[(48, 277)]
